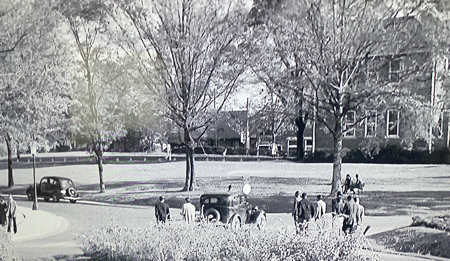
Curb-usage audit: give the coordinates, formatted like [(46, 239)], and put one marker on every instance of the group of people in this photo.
[(162, 210), (304, 211), (351, 210), (351, 185), (8, 213)]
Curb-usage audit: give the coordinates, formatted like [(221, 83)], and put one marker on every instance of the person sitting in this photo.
[(347, 183), (358, 184)]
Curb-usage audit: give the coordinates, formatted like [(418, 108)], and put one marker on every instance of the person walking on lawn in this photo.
[(349, 214), (188, 211), (337, 205), (162, 212), (12, 207), (297, 200), (321, 207), (359, 212), (305, 212), (3, 211)]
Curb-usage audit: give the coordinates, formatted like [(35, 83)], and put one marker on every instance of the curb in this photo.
[(37, 224)]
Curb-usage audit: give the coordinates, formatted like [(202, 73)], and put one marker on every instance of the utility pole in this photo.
[(247, 134)]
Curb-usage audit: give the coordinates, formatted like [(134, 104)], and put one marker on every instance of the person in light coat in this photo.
[(12, 207), (188, 211)]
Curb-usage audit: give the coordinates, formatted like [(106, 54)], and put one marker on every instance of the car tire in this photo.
[(261, 221), (55, 197), (235, 222), (212, 215), (73, 201), (46, 199), (71, 192)]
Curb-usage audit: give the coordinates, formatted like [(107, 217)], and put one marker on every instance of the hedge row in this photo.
[(202, 241), (389, 155)]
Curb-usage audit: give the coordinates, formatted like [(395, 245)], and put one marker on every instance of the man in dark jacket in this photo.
[(350, 210), (162, 210), (305, 211)]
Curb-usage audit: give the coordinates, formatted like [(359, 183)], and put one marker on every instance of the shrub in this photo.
[(202, 241), (7, 251)]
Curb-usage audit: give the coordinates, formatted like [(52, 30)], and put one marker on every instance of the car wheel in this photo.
[(71, 192), (212, 215), (261, 221), (55, 198), (235, 222), (73, 201), (46, 199)]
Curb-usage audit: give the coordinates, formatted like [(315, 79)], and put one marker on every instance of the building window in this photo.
[(394, 70), (349, 123), (393, 125), (371, 123)]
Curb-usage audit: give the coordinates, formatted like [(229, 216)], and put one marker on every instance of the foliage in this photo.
[(417, 240), (7, 248), (34, 78), (203, 241), (191, 59), (439, 222)]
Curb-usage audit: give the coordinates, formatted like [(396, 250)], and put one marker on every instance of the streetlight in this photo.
[(33, 153)]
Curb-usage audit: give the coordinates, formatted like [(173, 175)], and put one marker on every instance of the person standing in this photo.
[(12, 207), (321, 207), (188, 211), (350, 210), (3, 211), (359, 212), (297, 200), (162, 212), (337, 205), (305, 212)]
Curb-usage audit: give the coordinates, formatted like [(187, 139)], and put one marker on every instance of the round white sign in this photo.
[(246, 188)]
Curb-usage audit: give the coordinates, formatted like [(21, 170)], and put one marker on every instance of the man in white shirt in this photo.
[(188, 211), (321, 207)]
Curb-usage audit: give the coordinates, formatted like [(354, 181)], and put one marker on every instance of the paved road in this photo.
[(77, 219)]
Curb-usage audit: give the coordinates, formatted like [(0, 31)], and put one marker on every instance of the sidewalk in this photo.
[(35, 224)]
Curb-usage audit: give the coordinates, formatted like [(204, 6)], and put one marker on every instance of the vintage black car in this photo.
[(55, 188), (231, 209)]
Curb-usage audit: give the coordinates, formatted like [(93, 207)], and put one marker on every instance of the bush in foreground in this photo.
[(6, 247), (201, 241)]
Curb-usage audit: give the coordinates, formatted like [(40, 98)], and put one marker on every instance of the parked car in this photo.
[(231, 209), (55, 188)]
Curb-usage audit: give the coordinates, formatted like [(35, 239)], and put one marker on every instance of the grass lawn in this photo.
[(390, 190)]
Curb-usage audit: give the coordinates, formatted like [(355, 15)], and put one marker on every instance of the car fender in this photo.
[(254, 216)]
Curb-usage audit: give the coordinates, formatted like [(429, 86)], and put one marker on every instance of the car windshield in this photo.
[(66, 183)]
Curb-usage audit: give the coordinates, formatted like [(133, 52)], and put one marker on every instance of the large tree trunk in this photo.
[(337, 161), (192, 184), (189, 162), (10, 169), (301, 125), (99, 154), (18, 151)]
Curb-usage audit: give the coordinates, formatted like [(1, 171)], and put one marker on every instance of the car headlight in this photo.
[(63, 192)]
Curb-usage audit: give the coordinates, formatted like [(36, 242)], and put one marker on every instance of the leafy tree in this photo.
[(276, 43), (350, 46), (33, 78), (103, 90), (193, 60)]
